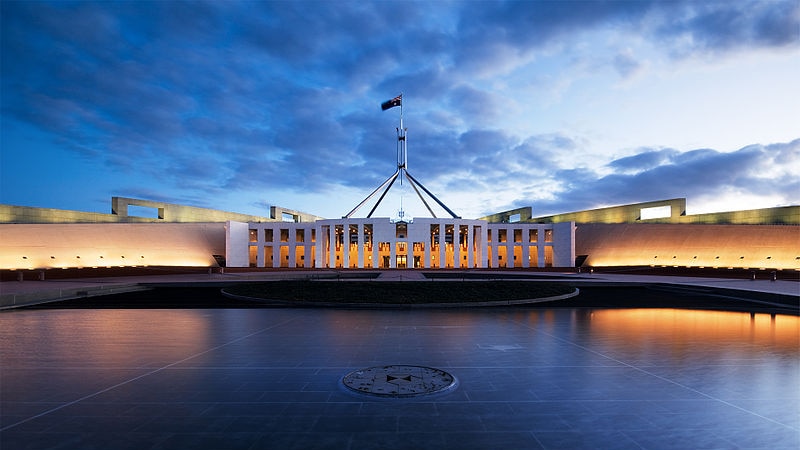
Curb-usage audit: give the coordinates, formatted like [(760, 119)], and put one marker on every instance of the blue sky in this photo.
[(559, 105)]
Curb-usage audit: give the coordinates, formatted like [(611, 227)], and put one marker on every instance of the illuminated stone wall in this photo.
[(27, 214), (513, 215), (169, 212), (676, 213), (41, 238), (46, 246), (618, 214), (783, 215), (682, 245), (161, 212)]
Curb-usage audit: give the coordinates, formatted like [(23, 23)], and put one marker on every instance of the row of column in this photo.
[(387, 234)]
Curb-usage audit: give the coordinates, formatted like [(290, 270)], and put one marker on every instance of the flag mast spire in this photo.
[(402, 155), (402, 171)]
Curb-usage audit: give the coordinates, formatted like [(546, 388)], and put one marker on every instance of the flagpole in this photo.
[(402, 171), (401, 156), (405, 142), (401, 143)]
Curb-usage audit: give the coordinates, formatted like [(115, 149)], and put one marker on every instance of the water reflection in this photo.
[(678, 329), (53, 357), (123, 337)]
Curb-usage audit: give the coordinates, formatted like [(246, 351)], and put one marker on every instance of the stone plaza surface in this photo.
[(272, 378)]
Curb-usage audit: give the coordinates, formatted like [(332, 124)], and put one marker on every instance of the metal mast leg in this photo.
[(419, 194), (394, 177), (432, 196), (388, 181)]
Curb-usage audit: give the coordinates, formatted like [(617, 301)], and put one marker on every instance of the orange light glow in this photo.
[(680, 327)]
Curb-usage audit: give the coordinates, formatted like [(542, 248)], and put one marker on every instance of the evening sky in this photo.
[(559, 105)]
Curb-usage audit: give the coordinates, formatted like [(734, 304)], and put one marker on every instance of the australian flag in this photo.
[(397, 101)]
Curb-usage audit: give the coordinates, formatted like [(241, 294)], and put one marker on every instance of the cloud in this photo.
[(254, 96), (626, 64), (718, 26), (474, 104), (761, 170), (645, 160), (496, 36)]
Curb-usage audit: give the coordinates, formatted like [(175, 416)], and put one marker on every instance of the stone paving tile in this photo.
[(271, 378), (491, 440), (396, 441), (213, 440), (594, 439)]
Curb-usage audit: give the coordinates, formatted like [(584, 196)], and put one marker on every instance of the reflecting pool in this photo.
[(271, 378)]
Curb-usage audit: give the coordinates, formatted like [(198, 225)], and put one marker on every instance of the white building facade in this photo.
[(379, 243)]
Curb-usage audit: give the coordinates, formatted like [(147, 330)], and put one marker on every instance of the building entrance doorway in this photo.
[(401, 261)]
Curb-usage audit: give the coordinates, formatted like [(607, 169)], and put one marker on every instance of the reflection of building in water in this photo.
[(673, 332), (645, 234)]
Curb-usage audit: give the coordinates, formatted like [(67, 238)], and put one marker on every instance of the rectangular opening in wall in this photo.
[(253, 257), (434, 236), (514, 218), (368, 236), (268, 256), (548, 256), (657, 212), (284, 255), (533, 256), (144, 211), (287, 217)]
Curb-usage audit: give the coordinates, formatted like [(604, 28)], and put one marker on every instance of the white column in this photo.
[(442, 245), (470, 246), (332, 246), (346, 245), (276, 247), (456, 245), (319, 244), (427, 253), (291, 246), (259, 247), (360, 246), (526, 256), (393, 252), (540, 249)]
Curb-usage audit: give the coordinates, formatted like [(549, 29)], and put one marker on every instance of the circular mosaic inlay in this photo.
[(399, 381)]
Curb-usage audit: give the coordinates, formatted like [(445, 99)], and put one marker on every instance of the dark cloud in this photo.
[(668, 173), (646, 159), (426, 84), (475, 105), (264, 95), (491, 30), (721, 26), (626, 64)]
